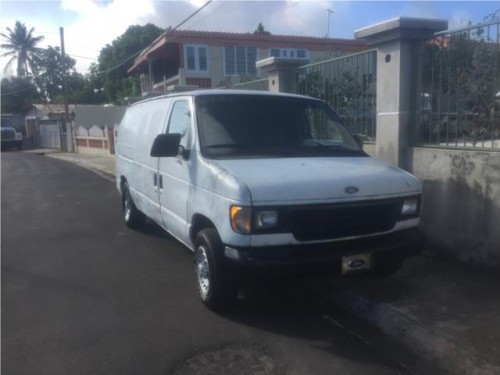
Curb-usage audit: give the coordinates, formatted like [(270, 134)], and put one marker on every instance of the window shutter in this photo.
[(241, 67), (275, 52), (202, 56), (190, 58), (230, 59), (251, 59)]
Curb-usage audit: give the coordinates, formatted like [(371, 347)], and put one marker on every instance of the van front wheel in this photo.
[(131, 214), (216, 285)]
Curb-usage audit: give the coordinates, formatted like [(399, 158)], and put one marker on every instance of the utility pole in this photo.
[(69, 128), (328, 28)]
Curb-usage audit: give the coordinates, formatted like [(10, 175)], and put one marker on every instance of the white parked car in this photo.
[(259, 180)]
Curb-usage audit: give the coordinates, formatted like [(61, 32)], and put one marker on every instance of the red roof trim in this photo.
[(260, 38)]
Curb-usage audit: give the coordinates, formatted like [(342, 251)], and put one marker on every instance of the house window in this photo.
[(239, 60), (196, 58), (290, 53), (275, 52)]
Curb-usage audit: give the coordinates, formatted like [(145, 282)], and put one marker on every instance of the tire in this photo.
[(134, 218), (217, 285), (387, 269)]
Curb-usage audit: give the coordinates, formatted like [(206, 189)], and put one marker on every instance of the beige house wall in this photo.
[(216, 64)]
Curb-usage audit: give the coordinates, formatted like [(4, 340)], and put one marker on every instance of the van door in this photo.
[(173, 173), (145, 179)]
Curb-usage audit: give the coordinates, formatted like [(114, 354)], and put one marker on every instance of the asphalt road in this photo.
[(83, 294)]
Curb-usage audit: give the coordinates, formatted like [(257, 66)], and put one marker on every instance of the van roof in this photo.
[(210, 92)]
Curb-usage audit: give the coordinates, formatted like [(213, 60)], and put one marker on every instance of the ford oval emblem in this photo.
[(351, 189), (356, 263)]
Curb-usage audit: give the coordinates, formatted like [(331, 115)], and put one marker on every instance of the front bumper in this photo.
[(398, 245), (10, 143)]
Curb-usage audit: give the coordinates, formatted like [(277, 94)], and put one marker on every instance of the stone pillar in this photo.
[(280, 72), (182, 77), (399, 50)]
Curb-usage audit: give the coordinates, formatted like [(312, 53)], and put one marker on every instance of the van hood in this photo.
[(310, 180)]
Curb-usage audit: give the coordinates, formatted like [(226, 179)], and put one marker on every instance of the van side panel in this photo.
[(141, 125)]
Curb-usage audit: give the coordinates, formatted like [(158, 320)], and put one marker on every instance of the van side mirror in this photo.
[(166, 145), (359, 140)]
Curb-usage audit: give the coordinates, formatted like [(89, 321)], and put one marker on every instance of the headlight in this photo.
[(241, 219), (410, 207), (266, 219)]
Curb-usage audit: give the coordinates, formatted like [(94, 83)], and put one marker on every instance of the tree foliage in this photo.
[(261, 30), (116, 58), (18, 94), (51, 71), (88, 90), (21, 46)]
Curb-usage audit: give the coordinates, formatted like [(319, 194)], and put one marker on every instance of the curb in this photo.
[(82, 163), (449, 354)]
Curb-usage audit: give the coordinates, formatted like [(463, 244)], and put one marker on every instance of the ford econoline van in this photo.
[(261, 180)]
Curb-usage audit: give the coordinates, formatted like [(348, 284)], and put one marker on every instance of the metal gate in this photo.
[(460, 98), (50, 136)]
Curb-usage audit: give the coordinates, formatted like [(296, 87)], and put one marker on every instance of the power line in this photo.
[(192, 15), (139, 52), (82, 57), (16, 91), (223, 4)]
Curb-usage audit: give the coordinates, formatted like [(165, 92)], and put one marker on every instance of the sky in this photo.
[(91, 24)]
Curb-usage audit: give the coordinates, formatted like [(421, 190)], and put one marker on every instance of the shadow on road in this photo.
[(282, 307)]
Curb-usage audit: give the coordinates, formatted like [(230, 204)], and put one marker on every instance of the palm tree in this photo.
[(21, 46)]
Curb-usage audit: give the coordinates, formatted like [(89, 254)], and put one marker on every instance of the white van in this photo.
[(258, 180)]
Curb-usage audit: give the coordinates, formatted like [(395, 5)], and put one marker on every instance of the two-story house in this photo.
[(208, 59)]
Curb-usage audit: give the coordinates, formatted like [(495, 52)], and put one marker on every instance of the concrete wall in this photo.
[(98, 115), (96, 140), (461, 201)]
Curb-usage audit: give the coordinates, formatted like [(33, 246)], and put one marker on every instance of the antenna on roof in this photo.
[(328, 28)]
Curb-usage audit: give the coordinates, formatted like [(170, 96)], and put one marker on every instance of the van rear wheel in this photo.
[(216, 283), (134, 218)]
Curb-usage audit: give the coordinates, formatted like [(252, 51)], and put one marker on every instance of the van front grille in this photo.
[(321, 222)]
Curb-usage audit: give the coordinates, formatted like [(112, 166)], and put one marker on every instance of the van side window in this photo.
[(180, 120)]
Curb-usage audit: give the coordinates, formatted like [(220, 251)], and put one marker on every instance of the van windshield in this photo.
[(270, 126)]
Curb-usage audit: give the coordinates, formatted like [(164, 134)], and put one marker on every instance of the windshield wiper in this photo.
[(225, 145), (321, 146), (253, 148)]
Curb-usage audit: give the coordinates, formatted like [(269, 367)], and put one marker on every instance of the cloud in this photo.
[(91, 24), (80, 6), (459, 19), (95, 26)]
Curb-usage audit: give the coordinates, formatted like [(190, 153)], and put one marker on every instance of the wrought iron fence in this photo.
[(349, 85), (460, 98)]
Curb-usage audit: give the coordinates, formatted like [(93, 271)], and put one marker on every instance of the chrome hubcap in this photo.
[(202, 271)]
